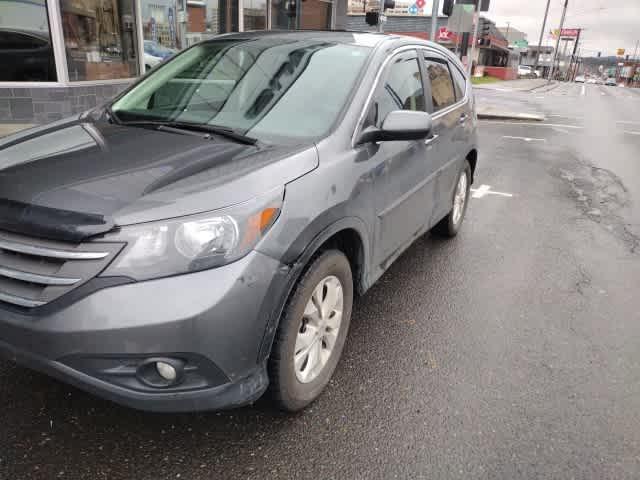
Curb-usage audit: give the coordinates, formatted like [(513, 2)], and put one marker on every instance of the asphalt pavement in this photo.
[(509, 352)]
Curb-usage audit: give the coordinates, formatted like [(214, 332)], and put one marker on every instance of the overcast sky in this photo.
[(608, 24)]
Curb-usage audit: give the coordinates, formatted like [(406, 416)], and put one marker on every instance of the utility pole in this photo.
[(507, 35), (572, 74), (544, 25), (380, 17), (555, 52), (434, 20), (475, 39)]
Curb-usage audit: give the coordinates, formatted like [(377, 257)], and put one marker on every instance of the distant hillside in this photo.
[(606, 61)]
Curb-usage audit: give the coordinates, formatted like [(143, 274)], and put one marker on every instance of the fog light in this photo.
[(166, 371)]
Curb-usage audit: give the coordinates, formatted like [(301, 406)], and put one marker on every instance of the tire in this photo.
[(294, 387), (449, 226)]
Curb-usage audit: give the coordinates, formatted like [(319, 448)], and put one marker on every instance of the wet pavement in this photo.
[(512, 351)]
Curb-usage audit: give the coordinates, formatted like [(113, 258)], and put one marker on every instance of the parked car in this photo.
[(611, 82), (580, 79), (155, 54), (525, 71), (150, 61), (592, 81), (202, 237), (26, 55)]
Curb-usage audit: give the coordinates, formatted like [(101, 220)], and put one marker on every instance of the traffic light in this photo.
[(447, 7), (485, 27)]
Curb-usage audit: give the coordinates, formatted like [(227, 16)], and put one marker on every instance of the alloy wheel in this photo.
[(319, 329)]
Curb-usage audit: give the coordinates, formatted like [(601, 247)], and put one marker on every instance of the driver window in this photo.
[(401, 90)]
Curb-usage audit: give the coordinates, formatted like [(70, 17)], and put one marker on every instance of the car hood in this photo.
[(79, 177)]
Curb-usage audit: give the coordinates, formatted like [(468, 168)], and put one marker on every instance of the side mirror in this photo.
[(399, 125)]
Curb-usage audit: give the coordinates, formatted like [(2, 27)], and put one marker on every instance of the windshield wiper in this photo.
[(195, 127)]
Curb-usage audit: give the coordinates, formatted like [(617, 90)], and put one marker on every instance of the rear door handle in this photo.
[(463, 119)]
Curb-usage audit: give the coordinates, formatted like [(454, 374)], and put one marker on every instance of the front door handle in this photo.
[(463, 119), (431, 139)]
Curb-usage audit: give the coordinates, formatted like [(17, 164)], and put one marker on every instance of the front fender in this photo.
[(300, 254)]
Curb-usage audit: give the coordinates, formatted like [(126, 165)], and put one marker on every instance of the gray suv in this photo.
[(199, 240)]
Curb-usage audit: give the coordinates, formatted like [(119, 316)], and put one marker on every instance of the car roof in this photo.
[(351, 37), (373, 40)]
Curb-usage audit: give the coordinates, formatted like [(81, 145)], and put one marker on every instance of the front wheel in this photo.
[(450, 225), (312, 332)]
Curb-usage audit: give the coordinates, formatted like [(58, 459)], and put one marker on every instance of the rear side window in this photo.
[(459, 82), (401, 90), (442, 91)]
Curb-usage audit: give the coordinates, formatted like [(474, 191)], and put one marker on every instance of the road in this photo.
[(510, 352)]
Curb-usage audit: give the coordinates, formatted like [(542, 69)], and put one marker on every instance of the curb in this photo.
[(510, 116)]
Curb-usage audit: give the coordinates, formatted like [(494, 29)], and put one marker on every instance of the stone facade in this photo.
[(37, 105)]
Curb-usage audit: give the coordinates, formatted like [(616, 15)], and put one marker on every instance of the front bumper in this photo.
[(214, 321)]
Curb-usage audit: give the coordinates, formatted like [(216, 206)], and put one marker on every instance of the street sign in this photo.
[(567, 33), (620, 52), (521, 43), (444, 35), (570, 32), (461, 19)]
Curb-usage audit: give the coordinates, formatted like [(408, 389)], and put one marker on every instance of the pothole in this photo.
[(601, 197)]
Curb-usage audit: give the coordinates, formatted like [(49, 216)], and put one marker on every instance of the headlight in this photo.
[(198, 242)]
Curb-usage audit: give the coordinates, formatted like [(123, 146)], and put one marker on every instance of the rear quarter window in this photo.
[(459, 82)]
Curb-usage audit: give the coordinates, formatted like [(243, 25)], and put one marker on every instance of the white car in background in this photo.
[(580, 79), (525, 71), (150, 61)]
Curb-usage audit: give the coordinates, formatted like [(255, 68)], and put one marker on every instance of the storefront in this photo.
[(59, 57)]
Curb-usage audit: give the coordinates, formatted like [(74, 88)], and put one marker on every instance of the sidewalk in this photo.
[(9, 128), (505, 100), (524, 85)]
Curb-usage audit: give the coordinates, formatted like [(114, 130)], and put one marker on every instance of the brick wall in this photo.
[(197, 18), (47, 104)]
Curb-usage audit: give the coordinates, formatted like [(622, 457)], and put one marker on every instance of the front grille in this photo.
[(34, 272)]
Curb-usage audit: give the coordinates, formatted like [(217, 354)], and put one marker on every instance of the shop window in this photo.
[(172, 25), (100, 39), (255, 14), (26, 54)]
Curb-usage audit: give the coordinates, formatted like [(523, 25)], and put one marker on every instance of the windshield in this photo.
[(267, 88)]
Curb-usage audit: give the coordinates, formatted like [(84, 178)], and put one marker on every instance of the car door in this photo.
[(462, 130), (402, 183), (447, 116)]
